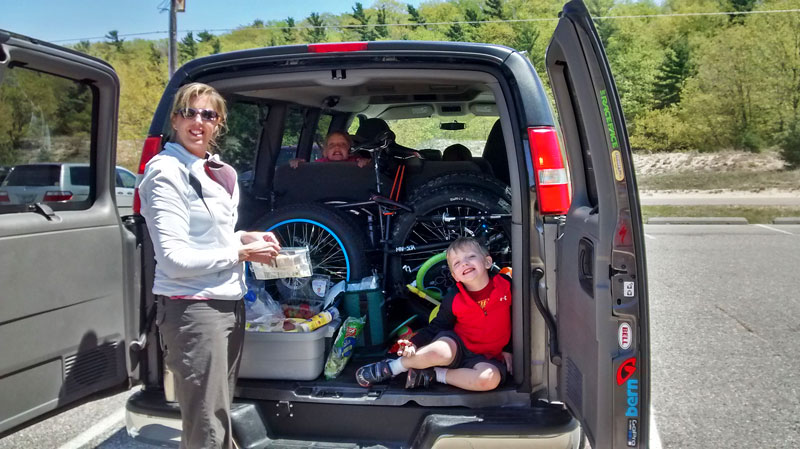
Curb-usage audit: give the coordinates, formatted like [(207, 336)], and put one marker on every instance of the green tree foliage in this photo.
[(455, 33), (83, 46), (672, 74), (187, 48), (494, 9), (316, 34)]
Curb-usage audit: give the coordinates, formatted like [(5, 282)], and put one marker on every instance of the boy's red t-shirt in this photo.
[(486, 329)]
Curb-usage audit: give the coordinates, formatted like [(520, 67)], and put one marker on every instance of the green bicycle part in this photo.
[(423, 270)]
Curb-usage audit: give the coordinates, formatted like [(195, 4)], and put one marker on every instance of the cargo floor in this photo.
[(344, 388)]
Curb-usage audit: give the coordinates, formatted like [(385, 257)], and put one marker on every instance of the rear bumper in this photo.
[(264, 424)]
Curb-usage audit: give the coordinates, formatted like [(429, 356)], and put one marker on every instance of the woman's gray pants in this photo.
[(203, 343)]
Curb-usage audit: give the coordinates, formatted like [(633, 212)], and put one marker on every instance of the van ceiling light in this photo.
[(334, 47)]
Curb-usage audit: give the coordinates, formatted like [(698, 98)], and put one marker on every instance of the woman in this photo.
[(189, 200)]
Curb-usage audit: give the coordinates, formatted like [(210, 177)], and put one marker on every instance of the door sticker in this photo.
[(612, 133), (616, 162), (625, 337), (633, 432), (626, 370), (627, 289)]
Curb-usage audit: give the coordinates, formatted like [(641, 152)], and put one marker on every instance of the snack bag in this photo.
[(290, 263), (343, 346)]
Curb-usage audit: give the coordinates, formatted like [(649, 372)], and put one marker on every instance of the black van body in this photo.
[(580, 319)]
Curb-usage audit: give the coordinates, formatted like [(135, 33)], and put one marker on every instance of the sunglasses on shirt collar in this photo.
[(208, 115)]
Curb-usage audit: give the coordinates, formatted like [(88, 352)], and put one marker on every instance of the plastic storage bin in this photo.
[(285, 355)]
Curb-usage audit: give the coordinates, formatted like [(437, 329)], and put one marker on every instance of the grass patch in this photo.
[(753, 214), (733, 180)]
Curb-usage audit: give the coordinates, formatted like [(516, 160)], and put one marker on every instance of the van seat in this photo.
[(322, 181)]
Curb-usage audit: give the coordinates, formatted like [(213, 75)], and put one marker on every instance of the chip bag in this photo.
[(343, 346)]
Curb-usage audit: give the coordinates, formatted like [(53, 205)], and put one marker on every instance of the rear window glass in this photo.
[(33, 175), (79, 176), (428, 133)]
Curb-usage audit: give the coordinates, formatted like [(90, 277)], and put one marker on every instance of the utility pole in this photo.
[(173, 37)]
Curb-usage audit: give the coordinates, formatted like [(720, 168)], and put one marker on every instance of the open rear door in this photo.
[(63, 298), (601, 283)]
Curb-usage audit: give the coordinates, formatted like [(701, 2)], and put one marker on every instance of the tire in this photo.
[(455, 200), (471, 179), (336, 247)]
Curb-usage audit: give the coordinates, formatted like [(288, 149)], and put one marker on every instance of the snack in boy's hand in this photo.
[(343, 346)]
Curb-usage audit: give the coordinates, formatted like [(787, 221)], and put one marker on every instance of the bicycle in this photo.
[(400, 235)]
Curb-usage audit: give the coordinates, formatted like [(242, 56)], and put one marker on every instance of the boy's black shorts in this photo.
[(467, 359)]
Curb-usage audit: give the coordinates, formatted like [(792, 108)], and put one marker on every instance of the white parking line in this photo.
[(649, 236), (96, 430), (773, 229), (655, 438)]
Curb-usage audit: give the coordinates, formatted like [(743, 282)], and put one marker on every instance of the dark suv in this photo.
[(556, 201)]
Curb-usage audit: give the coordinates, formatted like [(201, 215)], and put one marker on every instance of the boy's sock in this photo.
[(397, 367), (441, 374)]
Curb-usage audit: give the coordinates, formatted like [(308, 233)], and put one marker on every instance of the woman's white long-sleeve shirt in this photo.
[(196, 248)]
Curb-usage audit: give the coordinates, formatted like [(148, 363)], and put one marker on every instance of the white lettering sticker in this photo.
[(627, 289)]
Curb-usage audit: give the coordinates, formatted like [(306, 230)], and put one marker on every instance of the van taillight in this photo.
[(57, 195), (331, 47), (552, 185), (4, 197), (152, 145)]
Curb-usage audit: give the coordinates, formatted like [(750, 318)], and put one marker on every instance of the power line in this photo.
[(459, 22)]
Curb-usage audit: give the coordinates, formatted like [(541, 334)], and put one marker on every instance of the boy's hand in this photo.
[(295, 162), (407, 349), (507, 359), (362, 162)]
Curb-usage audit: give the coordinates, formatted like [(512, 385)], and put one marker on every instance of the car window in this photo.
[(291, 135), (79, 176), (125, 179), (323, 128), (47, 123), (238, 145), (426, 133), (33, 176)]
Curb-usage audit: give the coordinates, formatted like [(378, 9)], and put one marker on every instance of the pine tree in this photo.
[(316, 34), (494, 9), (382, 31), (114, 39), (472, 16), (740, 6), (455, 33), (288, 32), (216, 46), (672, 74), (416, 17), (187, 48), (366, 32), (204, 36)]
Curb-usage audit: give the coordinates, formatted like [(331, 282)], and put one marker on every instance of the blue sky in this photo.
[(70, 20)]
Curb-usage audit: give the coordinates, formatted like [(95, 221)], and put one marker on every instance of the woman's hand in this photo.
[(407, 349), (259, 247), (507, 359), (362, 162), (254, 236)]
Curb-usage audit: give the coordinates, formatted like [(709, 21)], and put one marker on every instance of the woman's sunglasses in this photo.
[(208, 115)]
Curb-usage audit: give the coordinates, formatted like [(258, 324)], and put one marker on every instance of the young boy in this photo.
[(336, 149), (465, 345)]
